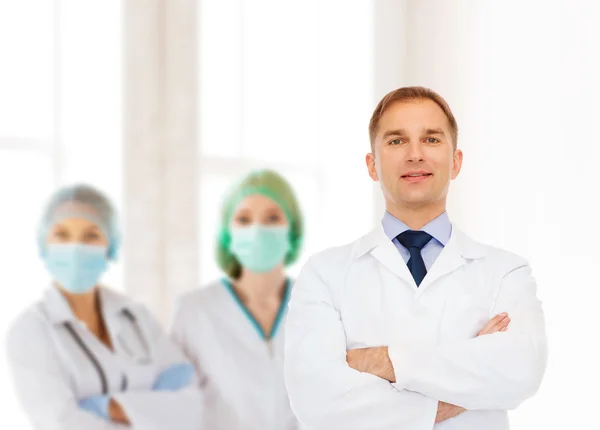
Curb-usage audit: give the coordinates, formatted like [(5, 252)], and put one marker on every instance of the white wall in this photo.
[(522, 79)]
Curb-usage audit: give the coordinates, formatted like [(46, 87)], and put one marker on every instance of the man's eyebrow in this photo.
[(435, 131), (398, 132)]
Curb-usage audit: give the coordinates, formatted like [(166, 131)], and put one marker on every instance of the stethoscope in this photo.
[(94, 360)]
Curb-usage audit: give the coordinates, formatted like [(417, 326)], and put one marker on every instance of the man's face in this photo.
[(414, 158)]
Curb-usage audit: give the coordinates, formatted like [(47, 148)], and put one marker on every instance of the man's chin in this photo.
[(417, 201)]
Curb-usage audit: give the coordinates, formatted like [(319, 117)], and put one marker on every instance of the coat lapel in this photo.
[(459, 250), (383, 250), (56, 307)]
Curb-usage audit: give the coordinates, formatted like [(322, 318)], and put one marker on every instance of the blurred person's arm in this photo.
[(116, 413), (184, 329), (41, 384), (191, 330), (325, 393), (181, 409)]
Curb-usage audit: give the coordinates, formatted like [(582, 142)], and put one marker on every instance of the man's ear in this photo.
[(370, 160)]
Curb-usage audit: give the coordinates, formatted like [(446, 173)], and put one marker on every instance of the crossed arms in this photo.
[(376, 361), (332, 388)]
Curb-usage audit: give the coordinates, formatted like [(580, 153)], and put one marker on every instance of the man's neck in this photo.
[(416, 217)]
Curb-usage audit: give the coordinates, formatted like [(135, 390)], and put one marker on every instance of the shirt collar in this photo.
[(440, 228)]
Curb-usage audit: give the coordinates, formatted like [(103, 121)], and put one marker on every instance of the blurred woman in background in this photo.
[(85, 356), (231, 329)]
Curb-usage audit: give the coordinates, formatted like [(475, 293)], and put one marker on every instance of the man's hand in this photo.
[(446, 411), (498, 323), (375, 361)]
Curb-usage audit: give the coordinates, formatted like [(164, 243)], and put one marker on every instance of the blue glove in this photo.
[(97, 405), (174, 378)]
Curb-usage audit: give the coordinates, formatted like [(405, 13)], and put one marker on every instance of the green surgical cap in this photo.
[(269, 184)]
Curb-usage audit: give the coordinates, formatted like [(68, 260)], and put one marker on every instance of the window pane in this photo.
[(278, 90), (25, 182), (90, 102), (219, 49), (27, 72), (280, 80), (90, 94)]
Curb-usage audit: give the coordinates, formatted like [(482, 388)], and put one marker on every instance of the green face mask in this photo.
[(259, 248)]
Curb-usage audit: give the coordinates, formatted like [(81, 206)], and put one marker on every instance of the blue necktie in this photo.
[(414, 241)]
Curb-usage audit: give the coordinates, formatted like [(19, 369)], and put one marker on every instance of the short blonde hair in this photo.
[(407, 94)]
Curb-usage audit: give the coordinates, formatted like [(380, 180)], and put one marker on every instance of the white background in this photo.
[(288, 87), (291, 86)]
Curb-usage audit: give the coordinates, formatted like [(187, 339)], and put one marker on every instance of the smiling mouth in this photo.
[(416, 175)]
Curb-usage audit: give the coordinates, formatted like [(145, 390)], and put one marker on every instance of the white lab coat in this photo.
[(363, 295), (52, 371), (241, 373)]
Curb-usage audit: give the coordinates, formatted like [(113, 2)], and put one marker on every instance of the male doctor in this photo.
[(414, 326)]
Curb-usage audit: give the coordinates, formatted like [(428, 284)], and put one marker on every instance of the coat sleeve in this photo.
[(192, 331), (163, 409), (325, 393), (185, 323), (497, 371), (41, 383)]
